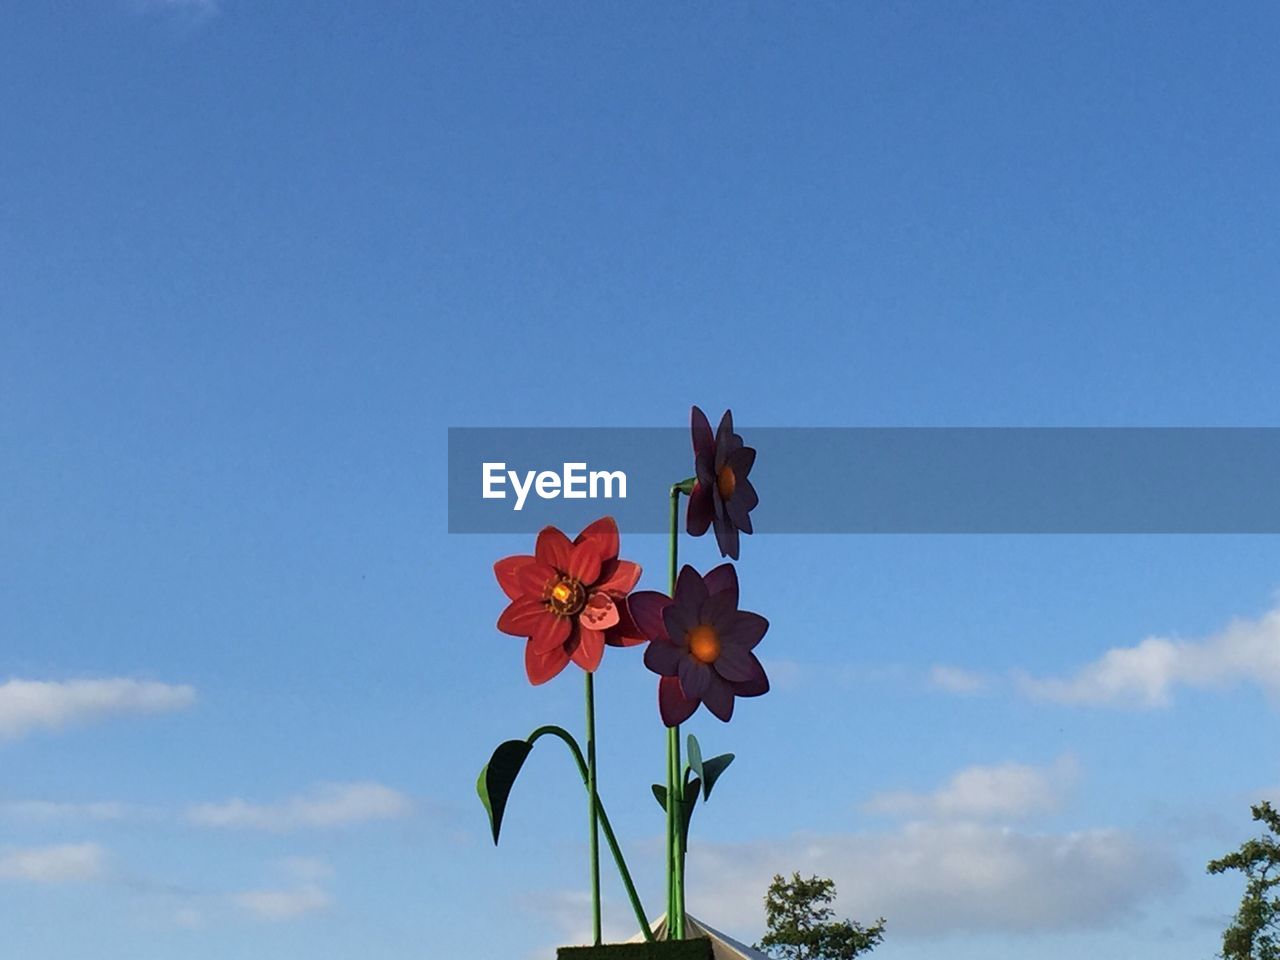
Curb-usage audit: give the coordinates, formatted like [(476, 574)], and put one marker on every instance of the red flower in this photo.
[(569, 599), (700, 643)]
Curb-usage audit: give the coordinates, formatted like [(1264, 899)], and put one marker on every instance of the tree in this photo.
[(1252, 935), (801, 927)]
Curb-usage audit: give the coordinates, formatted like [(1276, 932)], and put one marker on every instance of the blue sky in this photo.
[(256, 258)]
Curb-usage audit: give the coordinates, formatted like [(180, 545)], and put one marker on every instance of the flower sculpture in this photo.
[(700, 643), (569, 599), (722, 495)]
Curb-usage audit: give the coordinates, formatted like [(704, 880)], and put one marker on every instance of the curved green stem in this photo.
[(605, 827)]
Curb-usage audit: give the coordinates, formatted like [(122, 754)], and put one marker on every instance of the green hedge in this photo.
[(696, 949)]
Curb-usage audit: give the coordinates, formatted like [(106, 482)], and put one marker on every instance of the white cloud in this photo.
[(27, 705), (957, 679), (326, 805), (283, 904), (56, 810), (1146, 675), (63, 863), (938, 878), (1007, 790), (306, 869)]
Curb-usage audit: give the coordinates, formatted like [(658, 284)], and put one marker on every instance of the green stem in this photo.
[(675, 793), (605, 827), (593, 807)]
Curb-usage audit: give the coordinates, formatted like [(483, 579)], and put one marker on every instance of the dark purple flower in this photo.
[(722, 494), (700, 644)]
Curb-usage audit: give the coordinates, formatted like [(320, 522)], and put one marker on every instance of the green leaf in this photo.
[(660, 794), (711, 770), (695, 755), (686, 811), (497, 778)]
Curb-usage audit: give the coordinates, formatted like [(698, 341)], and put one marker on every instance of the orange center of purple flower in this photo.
[(704, 643), (726, 482), (567, 597)]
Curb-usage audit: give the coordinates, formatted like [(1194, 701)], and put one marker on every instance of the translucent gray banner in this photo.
[(883, 480)]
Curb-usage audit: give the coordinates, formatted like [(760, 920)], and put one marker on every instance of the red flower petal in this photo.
[(542, 667), (507, 571), (533, 578), (585, 560), (550, 632), (553, 548), (618, 577), (605, 532), (626, 633), (522, 616), (599, 613), (590, 649), (674, 706), (646, 608)]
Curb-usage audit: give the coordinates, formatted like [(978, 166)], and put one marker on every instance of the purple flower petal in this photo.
[(757, 686), (663, 658), (719, 610), (646, 609), (690, 588), (746, 630), (727, 538), (701, 510), (700, 427), (719, 698), (740, 462), (678, 620), (695, 677), (723, 579), (735, 664)]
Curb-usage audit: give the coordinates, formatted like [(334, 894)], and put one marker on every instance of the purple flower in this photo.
[(723, 495), (700, 644)]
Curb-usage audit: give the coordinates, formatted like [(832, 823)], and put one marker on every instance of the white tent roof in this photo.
[(722, 947)]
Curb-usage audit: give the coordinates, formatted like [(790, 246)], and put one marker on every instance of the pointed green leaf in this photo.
[(686, 811), (695, 755), (497, 778), (660, 794), (711, 770)]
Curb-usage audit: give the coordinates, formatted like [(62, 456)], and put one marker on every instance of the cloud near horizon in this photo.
[(932, 879), (325, 805), (61, 863), (1146, 675), (981, 792), (28, 705)]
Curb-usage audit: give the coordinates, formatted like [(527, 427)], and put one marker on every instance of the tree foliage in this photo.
[(1252, 934), (802, 925)]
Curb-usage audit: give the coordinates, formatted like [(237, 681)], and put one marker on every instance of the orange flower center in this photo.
[(726, 482), (567, 597), (704, 643)]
